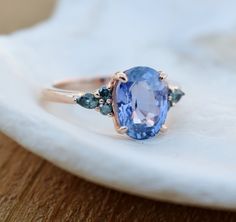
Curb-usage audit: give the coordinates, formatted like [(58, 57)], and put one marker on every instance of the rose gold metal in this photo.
[(101, 101), (96, 94), (121, 76), (113, 83), (110, 115), (97, 109), (67, 91), (164, 128), (122, 129), (109, 101), (116, 124)]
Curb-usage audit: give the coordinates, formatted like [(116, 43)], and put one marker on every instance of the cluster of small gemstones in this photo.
[(105, 101), (102, 101), (175, 94)]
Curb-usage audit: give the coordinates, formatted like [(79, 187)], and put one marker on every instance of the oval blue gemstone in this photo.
[(141, 104)]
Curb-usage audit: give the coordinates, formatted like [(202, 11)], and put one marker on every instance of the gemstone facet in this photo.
[(105, 93), (175, 95), (106, 109), (141, 104), (88, 101)]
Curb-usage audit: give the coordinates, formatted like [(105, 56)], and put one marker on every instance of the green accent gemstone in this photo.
[(88, 101), (106, 109), (176, 95), (105, 93)]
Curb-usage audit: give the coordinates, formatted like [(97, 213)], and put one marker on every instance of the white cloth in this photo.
[(193, 41)]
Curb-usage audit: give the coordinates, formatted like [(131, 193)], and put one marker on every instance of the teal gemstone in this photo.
[(88, 101), (105, 93), (106, 109), (176, 95)]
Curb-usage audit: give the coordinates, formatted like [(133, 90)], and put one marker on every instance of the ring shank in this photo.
[(66, 91)]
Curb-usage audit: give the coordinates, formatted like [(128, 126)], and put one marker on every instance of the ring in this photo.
[(137, 99)]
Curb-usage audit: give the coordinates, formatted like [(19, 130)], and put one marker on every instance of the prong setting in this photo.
[(109, 101), (163, 75), (97, 109), (121, 76), (164, 128), (122, 129), (101, 101), (96, 94), (110, 115)]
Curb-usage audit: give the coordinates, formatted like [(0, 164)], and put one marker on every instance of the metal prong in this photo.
[(111, 84), (101, 101), (96, 94), (97, 109), (122, 129), (76, 98), (164, 128), (162, 75), (109, 101), (110, 115), (121, 76)]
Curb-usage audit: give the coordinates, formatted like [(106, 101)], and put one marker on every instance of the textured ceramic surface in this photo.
[(194, 162)]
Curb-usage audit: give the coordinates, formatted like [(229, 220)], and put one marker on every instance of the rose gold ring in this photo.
[(137, 99)]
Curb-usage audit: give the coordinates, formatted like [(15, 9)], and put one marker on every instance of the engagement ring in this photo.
[(137, 99)]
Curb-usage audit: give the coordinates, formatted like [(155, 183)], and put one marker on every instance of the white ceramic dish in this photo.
[(194, 162)]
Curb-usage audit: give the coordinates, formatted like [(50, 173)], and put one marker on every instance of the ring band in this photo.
[(137, 99)]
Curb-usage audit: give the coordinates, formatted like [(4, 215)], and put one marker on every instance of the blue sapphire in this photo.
[(141, 104)]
